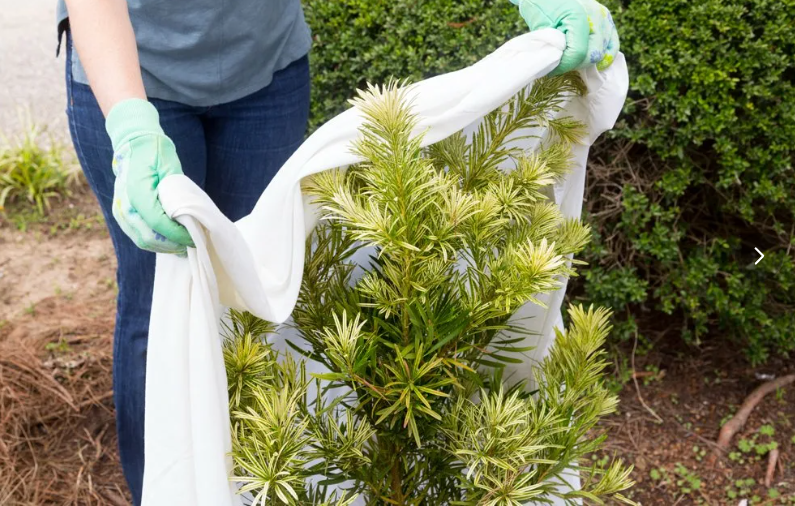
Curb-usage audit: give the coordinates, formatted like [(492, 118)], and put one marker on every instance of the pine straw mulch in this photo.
[(57, 431)]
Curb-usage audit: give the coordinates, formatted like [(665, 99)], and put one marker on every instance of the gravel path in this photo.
[(33, 78)]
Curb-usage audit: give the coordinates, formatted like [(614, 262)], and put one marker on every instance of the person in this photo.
[(218, 91)]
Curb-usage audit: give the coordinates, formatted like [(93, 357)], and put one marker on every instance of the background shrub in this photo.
[(356, 41), (699, 171), (696, 174)]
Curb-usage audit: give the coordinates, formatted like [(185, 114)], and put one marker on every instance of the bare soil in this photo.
[(693, 392), (71, 260)]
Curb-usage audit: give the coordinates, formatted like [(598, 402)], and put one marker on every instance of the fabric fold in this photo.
[(256, 263)]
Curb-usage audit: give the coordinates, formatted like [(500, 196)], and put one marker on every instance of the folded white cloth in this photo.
[(256, 263)]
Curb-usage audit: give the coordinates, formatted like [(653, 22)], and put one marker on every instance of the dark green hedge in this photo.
[(356, 41), (698, 172), (708, 174)]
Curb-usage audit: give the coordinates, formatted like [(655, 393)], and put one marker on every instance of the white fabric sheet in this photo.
[(256, 263)]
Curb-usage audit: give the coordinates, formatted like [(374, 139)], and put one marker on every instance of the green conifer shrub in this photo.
[(420, 339)]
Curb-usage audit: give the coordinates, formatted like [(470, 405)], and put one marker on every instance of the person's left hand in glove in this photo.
[(591, 36)]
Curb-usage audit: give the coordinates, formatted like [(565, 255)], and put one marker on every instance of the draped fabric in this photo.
[(256, 263)]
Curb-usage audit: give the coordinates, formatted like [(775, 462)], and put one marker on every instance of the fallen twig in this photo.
[(772, 459), (114, 498), (637, 387), (736, 423), (657, 375)]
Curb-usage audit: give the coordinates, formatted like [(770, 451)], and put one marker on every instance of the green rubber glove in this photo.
[(142, 156), (591, 36)]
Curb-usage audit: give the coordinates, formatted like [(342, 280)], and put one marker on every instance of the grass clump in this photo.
[(32, 173)]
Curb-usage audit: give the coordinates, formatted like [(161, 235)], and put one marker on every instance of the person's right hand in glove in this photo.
[(591, 36), (142, 157)]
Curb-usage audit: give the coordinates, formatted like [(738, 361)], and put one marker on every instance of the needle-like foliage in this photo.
[(413, 409)]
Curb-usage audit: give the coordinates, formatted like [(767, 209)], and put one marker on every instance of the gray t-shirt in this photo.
[(209, 52)]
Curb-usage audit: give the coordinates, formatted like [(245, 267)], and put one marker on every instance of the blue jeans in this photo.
[(232, 151)]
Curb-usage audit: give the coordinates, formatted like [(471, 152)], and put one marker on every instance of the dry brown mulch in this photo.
[(57, 432)]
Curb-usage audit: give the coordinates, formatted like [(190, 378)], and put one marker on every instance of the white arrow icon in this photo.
[(762, 255)]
